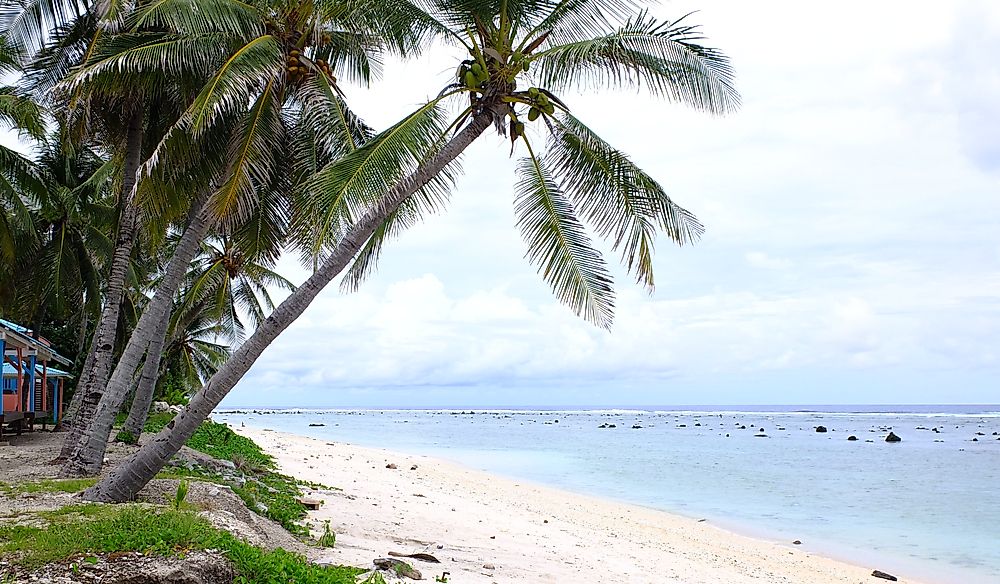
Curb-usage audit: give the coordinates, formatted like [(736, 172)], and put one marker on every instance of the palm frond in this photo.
[(27, 23), (662, 57), (239, 19), (559, 246), (342, 190), (253, 162), (624, 204)]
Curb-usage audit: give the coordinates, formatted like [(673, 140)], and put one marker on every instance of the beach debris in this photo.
[(821, 429), (797, 542), (893, 438), (884, 576), (392, 465), (489, 567), (399, 567), (310, 503), (414, 467), (852, 438), (417, 556)]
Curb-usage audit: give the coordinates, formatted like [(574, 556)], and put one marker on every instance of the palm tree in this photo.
[(19, 181), (223, 282), (562, 44), (55, 37), (273, 72), (72, 215)]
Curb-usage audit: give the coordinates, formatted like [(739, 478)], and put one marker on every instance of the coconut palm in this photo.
[(72, 216), (19, 181), (577, 177), (274, 67)]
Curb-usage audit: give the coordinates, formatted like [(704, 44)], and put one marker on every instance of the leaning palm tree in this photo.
[(549, 46), (273, 72), (225, 286)]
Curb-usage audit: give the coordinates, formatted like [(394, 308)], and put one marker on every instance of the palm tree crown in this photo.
[(520, 56)]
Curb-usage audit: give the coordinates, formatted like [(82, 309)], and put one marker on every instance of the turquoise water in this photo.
[(927, 507)]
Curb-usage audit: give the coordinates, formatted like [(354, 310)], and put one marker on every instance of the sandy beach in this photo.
[(487, 529)]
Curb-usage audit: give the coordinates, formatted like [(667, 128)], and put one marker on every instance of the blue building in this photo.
[(32, 390)]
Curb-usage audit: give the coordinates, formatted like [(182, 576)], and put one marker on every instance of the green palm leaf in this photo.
[(661, 56), (624, 204), (559, 246), (342, 190), (254, 164), (238, 19)]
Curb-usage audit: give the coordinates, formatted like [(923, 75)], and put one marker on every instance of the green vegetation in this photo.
[(126, 437), (48, 486), (402, 569), (329, 538), (97, 529), (181, 494), (265, 491)]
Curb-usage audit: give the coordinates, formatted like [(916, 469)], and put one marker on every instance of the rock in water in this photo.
[(821, 429), (852, 438), (884, 576), (316, 425), (893, 438)]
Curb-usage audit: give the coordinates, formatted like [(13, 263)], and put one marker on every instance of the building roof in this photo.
[(11, 371), (19, 336)]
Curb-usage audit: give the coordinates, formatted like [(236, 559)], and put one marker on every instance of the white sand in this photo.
[(489, 529)]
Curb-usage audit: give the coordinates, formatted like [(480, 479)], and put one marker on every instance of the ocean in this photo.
[(927, 507)]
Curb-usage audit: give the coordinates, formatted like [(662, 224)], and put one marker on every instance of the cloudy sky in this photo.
[(852, 252)]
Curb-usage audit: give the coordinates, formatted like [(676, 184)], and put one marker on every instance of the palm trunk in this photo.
[(125, 480), (92, 378), (88, 455), (147, 382)]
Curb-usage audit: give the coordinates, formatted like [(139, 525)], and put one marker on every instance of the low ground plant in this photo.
[(101, 529)]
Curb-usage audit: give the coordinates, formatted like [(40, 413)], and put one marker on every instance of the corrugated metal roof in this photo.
[(11, 371), (22, 335)]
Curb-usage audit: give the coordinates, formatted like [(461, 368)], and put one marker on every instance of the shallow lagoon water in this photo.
[(927, 507)]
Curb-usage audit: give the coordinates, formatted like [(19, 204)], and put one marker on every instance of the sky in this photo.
[(851, 255), (852, 251)]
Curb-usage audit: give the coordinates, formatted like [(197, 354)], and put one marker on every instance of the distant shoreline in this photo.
[(991, 410)]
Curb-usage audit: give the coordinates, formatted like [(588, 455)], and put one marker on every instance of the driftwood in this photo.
[(884, 576), (421, 557)]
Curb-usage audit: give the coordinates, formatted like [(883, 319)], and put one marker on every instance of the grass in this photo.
[(48, 486), (266, 491), (97, 529)]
